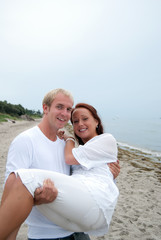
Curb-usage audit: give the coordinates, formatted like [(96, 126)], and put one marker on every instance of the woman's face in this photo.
[(84, 124)]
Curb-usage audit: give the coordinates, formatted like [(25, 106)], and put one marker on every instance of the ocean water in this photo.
[(140, 134)]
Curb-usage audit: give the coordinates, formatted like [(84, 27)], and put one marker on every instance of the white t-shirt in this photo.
[(32, 149)]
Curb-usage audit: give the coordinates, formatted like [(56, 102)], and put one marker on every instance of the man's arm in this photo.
[(114, 168)]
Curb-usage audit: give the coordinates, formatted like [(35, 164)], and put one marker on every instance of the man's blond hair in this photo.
[(50, 96)]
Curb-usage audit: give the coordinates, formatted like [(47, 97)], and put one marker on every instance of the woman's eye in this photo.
[(76, 121), (85, 119)]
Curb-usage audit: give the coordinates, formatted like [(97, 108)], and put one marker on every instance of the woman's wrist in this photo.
[(70, 139)]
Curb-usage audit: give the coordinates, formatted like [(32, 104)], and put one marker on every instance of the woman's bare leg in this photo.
[(16, 205), (13, 235)]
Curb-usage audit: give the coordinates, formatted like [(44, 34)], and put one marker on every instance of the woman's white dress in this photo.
[(87, 199)]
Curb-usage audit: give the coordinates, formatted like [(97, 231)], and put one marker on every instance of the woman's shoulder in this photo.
[(102, 139), (106, 136)]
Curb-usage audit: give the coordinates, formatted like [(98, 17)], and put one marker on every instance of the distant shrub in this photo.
[(13, 110)]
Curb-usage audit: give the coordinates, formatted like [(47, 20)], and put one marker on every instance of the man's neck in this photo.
[(47, 131)]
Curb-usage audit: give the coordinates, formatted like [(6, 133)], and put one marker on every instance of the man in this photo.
[(39, 147)]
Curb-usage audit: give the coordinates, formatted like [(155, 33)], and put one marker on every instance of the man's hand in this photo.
[(114, 168), (45, 194)]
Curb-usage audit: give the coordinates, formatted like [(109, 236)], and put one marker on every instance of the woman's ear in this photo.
[(97, 123)]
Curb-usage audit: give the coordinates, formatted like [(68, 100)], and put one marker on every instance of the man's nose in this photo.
[(65, 111)]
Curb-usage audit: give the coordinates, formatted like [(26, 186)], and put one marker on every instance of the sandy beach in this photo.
[(138, 211)]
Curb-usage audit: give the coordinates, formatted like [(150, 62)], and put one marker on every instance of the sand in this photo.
[(138, 211)]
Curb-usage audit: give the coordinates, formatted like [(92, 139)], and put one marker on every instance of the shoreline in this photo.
[(142, 151), (137, 214)]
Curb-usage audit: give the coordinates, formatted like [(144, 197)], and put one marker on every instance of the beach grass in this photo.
[(5, 117)]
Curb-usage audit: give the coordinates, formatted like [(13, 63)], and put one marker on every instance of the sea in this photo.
[(140, 134)]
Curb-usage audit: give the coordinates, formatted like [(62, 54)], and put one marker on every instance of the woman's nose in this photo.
[(80, 123)]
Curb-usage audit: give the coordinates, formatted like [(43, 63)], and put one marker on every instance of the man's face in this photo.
[(59, 112)]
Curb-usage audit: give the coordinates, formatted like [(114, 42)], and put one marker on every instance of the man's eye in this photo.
[(69, 109), (59, 107)]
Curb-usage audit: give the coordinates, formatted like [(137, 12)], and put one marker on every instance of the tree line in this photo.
[(17, 110)]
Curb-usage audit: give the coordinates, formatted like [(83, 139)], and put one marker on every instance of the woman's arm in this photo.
[(70, 144)]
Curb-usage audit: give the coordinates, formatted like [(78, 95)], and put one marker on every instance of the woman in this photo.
[(86, 200)]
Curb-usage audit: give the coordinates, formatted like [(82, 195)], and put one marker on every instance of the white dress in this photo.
[(86, 200)]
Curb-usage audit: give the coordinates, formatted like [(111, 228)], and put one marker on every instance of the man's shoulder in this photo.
[(27, 133)]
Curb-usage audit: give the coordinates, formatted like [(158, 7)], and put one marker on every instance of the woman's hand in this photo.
[(62, 135), (45, 194)]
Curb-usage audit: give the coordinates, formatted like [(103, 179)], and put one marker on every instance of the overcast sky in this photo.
[(106, 52)]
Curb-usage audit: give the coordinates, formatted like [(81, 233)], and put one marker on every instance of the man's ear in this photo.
[(45, 108)]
